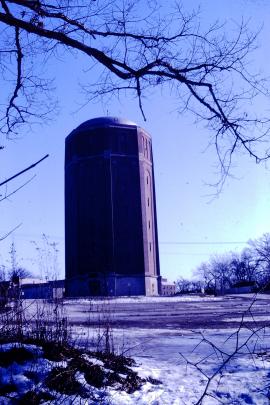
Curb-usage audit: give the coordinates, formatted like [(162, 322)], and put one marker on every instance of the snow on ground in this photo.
[(157, 353), (142, 299), (259, 318), (17, 376)]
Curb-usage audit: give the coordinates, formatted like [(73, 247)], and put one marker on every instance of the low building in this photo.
[(42, 289), (167, 287)]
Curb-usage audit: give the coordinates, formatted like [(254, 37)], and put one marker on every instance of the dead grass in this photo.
[(15, 355), (35, 398), (63, 380), (77, 375)]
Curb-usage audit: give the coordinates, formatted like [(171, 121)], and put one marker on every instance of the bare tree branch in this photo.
[(23, 171), (205, 70), (242, 347), (6, 196), (10, 232), (5, 182)]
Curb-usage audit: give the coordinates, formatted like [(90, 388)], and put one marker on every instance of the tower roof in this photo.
[(104, 122)]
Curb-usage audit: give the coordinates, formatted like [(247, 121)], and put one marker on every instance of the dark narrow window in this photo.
[(148, 202), (150, 246), (149, 224)]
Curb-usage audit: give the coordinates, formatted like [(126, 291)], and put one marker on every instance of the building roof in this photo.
[(165, 282), (104, 122), (31, 280), (100, 122)]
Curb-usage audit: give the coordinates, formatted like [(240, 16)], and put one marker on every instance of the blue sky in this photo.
[(189, 220)]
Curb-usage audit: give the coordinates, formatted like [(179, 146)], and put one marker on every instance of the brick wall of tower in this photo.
[(110, 212)]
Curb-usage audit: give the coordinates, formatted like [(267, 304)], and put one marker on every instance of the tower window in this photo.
[(148, 201), (150, 246), (149, 224)]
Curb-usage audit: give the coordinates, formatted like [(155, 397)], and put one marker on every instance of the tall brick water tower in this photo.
[(110, 210)]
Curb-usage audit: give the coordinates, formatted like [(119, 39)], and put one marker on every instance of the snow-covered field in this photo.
[(161, 353), (158, 353), (181, 358)]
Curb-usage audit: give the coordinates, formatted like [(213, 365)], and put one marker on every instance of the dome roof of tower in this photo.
[(104, 122)]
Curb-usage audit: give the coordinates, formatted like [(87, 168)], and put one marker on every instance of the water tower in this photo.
[(110, 210)]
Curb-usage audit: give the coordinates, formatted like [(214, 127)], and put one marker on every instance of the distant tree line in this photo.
[(250, 267)]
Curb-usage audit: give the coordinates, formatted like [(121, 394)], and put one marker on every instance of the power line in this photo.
[(29, 235), (182, 254), (204, 243)]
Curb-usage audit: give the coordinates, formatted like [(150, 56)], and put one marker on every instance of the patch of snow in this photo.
[(93, 360), (140, 299), (258, 318), (36, 350)]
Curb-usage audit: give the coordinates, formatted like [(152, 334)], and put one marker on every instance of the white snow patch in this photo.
[(141, 299)]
